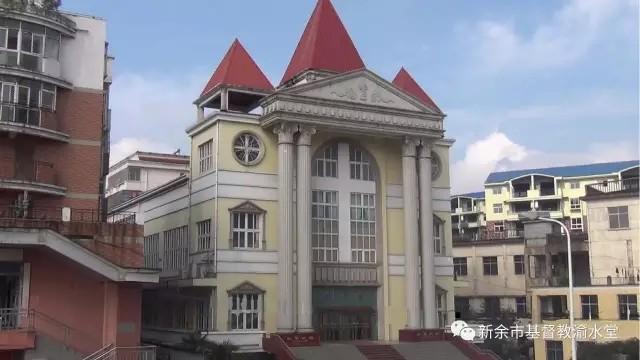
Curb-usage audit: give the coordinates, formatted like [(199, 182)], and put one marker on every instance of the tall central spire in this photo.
[(324, 45)]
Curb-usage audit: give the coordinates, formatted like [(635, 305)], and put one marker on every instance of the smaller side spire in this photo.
[(238, 69), (405, 82)]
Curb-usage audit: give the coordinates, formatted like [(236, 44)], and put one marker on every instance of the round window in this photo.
[(436, 166), (248, 149)]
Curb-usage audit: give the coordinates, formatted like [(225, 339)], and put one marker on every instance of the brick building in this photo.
[(70, 281)]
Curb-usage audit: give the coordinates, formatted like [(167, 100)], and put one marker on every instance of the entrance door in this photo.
[(346, 324)]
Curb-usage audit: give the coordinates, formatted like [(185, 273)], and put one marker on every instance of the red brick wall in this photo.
[(75, 166)]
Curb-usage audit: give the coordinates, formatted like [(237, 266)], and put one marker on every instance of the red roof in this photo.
[(324, 45), (237, 68), (405, 82)]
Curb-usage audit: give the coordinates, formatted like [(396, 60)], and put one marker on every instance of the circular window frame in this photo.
[(436, 157), (261, 146)]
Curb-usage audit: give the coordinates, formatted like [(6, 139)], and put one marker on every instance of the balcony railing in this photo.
[(501, 235), (624, 186), (51, 14), (31, 171), (345, 274), (519, 193), (59, 214), (15, 318), (23, 115)]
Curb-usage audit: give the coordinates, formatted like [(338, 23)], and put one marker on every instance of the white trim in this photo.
[(77, 253)]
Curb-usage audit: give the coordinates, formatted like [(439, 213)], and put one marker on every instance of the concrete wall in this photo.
[(83, 57)]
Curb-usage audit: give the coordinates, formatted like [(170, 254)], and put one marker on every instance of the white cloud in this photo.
[(567, 35), (151, 111), (127, 146), (496, 152)]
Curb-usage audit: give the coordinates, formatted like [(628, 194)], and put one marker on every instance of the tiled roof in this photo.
[(564, 171), (237, 68), (325, 45), (473, 195), (405, 82)]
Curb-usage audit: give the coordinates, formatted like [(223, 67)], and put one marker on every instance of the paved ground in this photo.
[(433, 350), (429, 350)]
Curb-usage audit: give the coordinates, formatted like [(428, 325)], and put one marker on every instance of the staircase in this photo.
[(379, 352), (112, 352)]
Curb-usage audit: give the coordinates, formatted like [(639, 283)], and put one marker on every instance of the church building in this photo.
[(320, 205)]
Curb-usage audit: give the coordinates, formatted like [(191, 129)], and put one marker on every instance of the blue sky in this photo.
[(524, 83)]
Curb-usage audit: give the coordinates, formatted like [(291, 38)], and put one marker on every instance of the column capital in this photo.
[(305, 134), (285, 133), (409, 147), (426, 147)]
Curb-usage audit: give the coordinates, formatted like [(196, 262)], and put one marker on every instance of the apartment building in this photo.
[(509, 270), (606, 271), (243, 254), (141, 172), (71, 282)]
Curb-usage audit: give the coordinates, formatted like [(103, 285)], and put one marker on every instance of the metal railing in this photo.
[(51, 14), (124, 353), (610, 187), (32, 171), (345, 274), (24, 115), (15, 318), (55, 214)]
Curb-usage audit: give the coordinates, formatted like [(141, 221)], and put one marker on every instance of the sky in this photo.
[(527, 83)]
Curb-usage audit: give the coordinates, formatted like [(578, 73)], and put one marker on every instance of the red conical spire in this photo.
[(237, 68), (405, 82), (324, 45)]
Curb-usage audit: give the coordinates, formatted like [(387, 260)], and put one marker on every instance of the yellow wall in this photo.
[(607, 310)]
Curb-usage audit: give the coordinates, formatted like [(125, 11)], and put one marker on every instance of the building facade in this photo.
[(141, 172), (509, 270), (325, 211), (71, 283)]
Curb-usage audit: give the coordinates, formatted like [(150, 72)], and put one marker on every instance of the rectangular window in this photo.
[(438, 241), (245, 231), (205, 151), (521, 305), (324, 227), (554, 350), (48, 97), (497, 190), (574, 185), (176, 248), (152, 251), (497, 208), (12, 39), (204, 234), (441, 305), (628, 307), (245, 312), (52, 46), (8, 99), (490, 265), (3, 38), (576, 223), (326, 164), (363, 228), (618, 217), (133, 173), (589, 306), (360, 165), (575, 204), (460, 266), (518, 264), (498, 227)]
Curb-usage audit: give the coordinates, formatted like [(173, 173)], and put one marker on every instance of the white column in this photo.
[(410, 195), (303, 191), (285, 227), (426, 232)]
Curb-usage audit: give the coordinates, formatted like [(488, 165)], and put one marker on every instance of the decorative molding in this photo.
[(304, 135), (247, 206), (285, 133), (246, 288), (409, 147)]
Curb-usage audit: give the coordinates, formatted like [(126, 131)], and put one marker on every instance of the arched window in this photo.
[(343, 205)]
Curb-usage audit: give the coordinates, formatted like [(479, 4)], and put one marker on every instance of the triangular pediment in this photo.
[(362, 87)]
